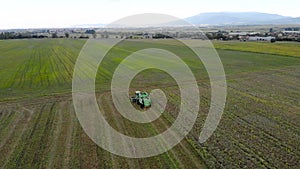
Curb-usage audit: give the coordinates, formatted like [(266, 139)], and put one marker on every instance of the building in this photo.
[(291, 32), (262, 39)]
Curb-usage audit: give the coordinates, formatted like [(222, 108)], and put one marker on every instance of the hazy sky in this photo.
[(64, 13)]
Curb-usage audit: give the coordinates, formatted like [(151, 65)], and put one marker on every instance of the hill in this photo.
[(240, 18)]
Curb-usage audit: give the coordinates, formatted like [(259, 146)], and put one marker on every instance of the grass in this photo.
[(284, 49), (259, 128), (31, 67)]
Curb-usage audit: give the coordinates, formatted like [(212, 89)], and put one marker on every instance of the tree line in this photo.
[(13, 35)]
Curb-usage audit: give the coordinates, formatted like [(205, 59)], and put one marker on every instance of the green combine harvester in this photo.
[(141, 98)]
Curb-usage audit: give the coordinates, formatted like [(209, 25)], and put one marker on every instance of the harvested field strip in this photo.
[(262, 105), (69, 123), (270, 129), (53, 147), (175, 158), (6, 121), (75, 155), (262, 142), (270, 86), (237, 146), (26, 149), (6, 132), (14, 138)]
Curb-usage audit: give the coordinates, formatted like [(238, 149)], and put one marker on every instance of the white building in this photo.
[(264, 39), (291, 32)]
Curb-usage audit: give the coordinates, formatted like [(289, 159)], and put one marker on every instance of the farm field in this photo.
[(278, 48), (260, 127)]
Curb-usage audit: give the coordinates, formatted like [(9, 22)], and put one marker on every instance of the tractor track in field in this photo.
[(69, 55), (266, 134), (184, 145), (38, 55), (173, 155), (245, 147), (10, 127), (268, 138), (52, 65), (291, 125), (68, 142), (56, 134), (262, 112), (63, 69), (34, 128), (259, 128), (272, 79), (242, 146), (60, 75), (45, 136), (21, 72), (30, 73), (22, 126), (5, 119), (70, 75), (120, 126), (109, 159), (1, 114)]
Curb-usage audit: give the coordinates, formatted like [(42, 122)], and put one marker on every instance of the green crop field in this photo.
[(260, 127), (279, 48)]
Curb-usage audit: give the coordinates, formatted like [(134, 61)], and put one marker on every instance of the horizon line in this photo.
[(82, 26)]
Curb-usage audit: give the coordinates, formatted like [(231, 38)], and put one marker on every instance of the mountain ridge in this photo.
[(241, 18), (224, 18)]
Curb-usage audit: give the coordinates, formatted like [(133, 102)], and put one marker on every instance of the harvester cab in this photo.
[(141, 98)]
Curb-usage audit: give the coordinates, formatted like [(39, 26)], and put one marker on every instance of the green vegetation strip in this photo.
[(279, 48)]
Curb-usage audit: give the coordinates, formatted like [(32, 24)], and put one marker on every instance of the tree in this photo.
[(209, 36), (54, 35), (273, 40), (91, 31)]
